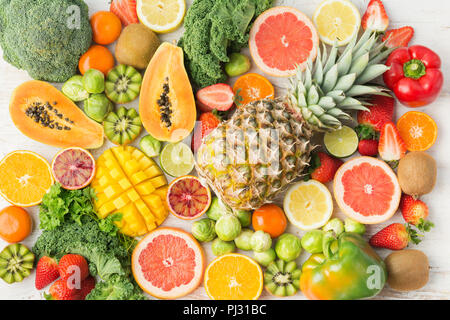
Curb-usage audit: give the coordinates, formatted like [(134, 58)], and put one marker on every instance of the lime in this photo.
[(176, 159), (341, 143)]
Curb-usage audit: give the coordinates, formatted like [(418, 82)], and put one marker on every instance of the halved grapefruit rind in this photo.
[(367, 190), (168, 263), (270, 49)]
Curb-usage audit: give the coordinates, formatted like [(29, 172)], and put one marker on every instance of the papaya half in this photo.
[(45, 114), (167, 103)]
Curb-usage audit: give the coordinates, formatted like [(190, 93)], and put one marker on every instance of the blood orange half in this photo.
[(367, 190), (168, 263), (282, 38)]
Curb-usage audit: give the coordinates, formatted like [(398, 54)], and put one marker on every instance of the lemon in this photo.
[(337, 20), (308, 205), (161, 16), (341, 143), (176, 159)]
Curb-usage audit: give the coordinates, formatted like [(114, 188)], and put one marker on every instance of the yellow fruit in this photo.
[(161, 16), (129, 182)]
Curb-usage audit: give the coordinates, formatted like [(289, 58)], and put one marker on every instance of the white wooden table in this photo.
[(432, 26)]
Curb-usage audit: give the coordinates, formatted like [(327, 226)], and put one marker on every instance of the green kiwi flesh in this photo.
[(123, 126)]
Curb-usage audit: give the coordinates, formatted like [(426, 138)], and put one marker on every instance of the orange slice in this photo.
[(418, 130), (252, 87), (25, 177), (233, 277)]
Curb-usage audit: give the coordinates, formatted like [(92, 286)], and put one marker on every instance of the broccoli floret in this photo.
[(45, 37)]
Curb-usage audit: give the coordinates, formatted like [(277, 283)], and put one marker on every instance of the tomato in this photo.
[(106, 27), (15, 224), (271, 219), (97, 57)]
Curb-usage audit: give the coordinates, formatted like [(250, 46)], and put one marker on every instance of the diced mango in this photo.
[(112, 190), (146, 162), (152, 171), (124, 183), (106, 209), (116, 174), (138, 177), (146, 214), (133, 195), (145, 188), (157, 207), (158, 181), (131, 167), (137, 154), (103, 181), (121, 201)]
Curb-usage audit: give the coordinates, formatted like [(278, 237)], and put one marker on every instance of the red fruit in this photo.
[(46, 272), (60, 291), (68, 264), (218, 96), (375, 18), (391, 146), (125, 10), (395, 237), (415, 212), (398, 37), (86, 287), (208, 122), (368, 147), (380, 111), (324, 167)]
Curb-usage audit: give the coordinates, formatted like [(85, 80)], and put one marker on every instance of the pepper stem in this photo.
[(414, 69)]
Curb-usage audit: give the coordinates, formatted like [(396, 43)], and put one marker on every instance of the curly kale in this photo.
[(45, 37), (213, 29), (115, 288)]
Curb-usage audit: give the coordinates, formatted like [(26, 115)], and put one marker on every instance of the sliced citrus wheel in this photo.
[(188, 198), (367, 190), (177, 159), (418, 130), (25, 177), (73, 168), (233, 277), (341, 143), (251, 87), (308, 205), (161, 16), (337, 20), (168, 263), (281, 39)]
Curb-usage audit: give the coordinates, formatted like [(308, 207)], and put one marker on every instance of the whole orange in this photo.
[(15, 224), (97, 57), (271, 219), (106, 27)]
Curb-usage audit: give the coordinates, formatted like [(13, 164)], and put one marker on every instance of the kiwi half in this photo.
[(123, 126), (16, 263), (282, 278), (123, 84)]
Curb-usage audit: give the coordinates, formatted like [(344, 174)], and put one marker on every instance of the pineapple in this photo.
[(248, 159)]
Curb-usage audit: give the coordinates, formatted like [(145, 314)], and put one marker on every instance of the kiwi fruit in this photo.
[(123, 84), (123, 126), (16, 263), (136, 46), (407, 270), (282, 278), (417, 173)]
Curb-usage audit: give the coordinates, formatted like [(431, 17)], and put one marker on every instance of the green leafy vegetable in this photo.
[(115, 288)]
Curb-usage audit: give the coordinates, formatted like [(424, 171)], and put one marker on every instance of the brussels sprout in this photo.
[(312, 241), (237, 65), (217, 209), (288, 247), (336, 225), (266, 257), (74, 90), (228, 227), (150, 146), (97, 107), (261, 241), (243, 240), (351, 225), (94, 81), (245, 217), (204, 230), (220, 247)]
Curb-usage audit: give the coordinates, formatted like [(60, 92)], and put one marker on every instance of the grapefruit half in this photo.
[(367, 190), (168, 263), (282, 38)]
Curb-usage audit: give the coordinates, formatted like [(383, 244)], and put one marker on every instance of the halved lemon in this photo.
[(308, 205), (161, 16), (337, 20)]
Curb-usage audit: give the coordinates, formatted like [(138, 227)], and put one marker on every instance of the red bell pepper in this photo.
[(415, 75)]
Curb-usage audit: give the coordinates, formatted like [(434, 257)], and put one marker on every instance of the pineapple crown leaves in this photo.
[(328, 89)]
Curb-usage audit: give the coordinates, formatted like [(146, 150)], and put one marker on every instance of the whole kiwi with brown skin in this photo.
[(407, 270), (416, 173)]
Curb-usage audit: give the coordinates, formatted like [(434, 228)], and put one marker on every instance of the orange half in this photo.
[(418, 130), (252, 87)]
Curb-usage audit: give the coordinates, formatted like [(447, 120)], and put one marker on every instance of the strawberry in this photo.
[(208, 122), (69, 263), (323, 167), (60, 291), (398, 37), (46, 272), (125, 10), (415, 212), (395, 237), (375, 18), (380, 111), (368, 147), (218, 96), (391, 146), (86, 287)]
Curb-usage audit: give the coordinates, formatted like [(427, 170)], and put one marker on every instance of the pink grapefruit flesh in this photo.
[(281, 39), (367, 190), (168, 263)]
